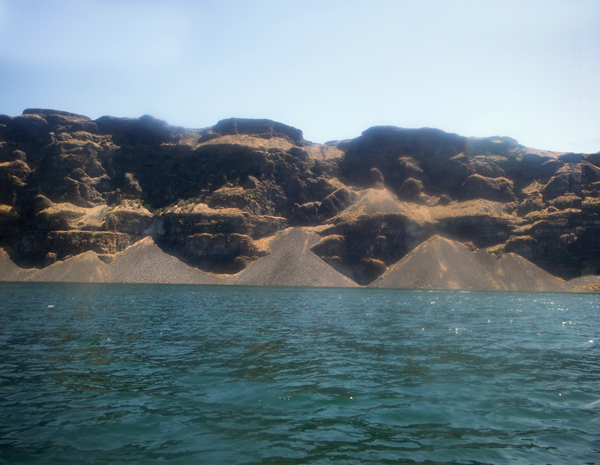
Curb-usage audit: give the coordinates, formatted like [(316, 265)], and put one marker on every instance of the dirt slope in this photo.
[(291, 263), (84, 268), (440, 263), (145, 262)]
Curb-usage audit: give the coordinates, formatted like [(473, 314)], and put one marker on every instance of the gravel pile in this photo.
[(440, 263), (145, 262), (291, 263)]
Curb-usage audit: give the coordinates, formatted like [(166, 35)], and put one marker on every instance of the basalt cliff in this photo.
[(220, 199)]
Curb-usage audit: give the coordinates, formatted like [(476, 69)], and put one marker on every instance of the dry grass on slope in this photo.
[(374, 201)]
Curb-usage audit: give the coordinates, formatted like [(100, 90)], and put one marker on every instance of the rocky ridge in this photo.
[(210, 197)]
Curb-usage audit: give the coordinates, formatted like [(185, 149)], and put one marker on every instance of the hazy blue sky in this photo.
[(524, 69)]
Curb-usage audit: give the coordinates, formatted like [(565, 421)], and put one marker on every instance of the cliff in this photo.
[(213, 199)]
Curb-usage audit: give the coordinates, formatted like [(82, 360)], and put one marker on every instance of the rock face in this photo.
[(71, 185), (498, 189)]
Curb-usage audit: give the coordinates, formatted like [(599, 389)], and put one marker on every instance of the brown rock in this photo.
[(444, 200), (336, 202), (530, 204), (593, 158), (496, 189), (561, 242), (566, 201), (262, 127), (483, 222), (13, 177), (410, 189), (41, 202), (360, 247), (589, 173), (59, 172), (62, 217), (70, 243), (487, 166), (29, 129), (567, 179), (220, 253), (131, 219)]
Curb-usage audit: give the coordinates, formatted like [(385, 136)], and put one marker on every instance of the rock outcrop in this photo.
[(210, 197)]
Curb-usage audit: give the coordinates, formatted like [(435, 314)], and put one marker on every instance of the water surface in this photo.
[(208, 374)]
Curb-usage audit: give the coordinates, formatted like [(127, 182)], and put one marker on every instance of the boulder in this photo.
[(444, 200), (410, 168), (41, 202), (330, 246), (410, 189)]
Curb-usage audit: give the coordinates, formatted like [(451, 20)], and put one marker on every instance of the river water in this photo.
[(208, 374)]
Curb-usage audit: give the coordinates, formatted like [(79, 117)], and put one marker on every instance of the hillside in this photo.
[(211, 200)]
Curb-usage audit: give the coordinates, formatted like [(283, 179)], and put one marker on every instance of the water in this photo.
[(202, 374)]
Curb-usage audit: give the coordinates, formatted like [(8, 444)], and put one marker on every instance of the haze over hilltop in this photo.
[(528, 70)]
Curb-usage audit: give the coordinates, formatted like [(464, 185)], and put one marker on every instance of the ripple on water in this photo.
[(132, 373)]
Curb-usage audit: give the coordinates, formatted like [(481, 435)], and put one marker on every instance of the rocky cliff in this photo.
[(211, 197)]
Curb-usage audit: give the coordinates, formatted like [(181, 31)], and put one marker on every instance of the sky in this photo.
[(529, 70)]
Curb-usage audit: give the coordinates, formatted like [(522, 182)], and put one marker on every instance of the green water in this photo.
[(210, 375)]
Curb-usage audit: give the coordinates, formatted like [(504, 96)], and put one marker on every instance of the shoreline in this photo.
[(436, 264)]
